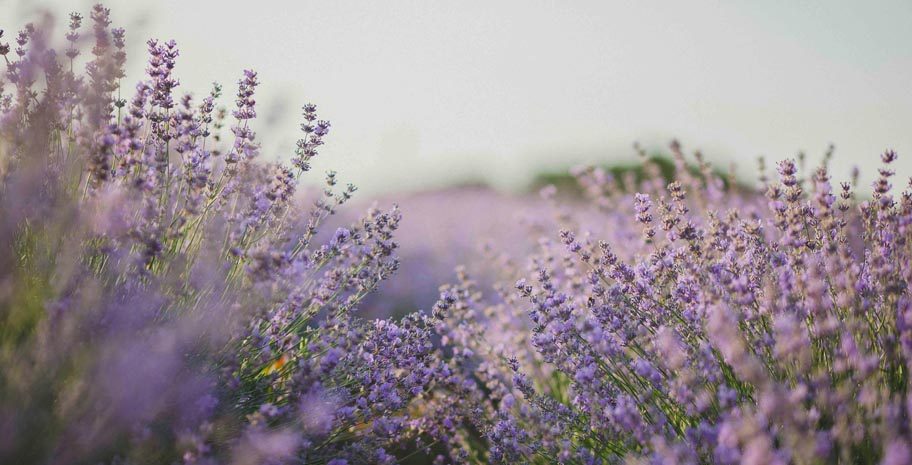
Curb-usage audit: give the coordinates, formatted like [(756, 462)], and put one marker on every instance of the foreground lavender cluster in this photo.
[(699, 322), (167, 297)]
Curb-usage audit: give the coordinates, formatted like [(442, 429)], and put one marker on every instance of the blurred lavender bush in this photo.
[(162, 296), (167, 297)]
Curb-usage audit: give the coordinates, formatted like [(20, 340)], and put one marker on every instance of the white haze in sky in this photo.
[(424, 93)]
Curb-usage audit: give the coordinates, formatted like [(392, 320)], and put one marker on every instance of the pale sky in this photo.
[(423, 93)]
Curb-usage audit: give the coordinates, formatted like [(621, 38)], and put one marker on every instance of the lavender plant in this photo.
[(694, 323), (166, 296)]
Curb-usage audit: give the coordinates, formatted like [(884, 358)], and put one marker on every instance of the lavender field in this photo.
[(170, 294)]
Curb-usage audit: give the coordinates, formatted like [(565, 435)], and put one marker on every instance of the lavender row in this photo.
[(166, 296)]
